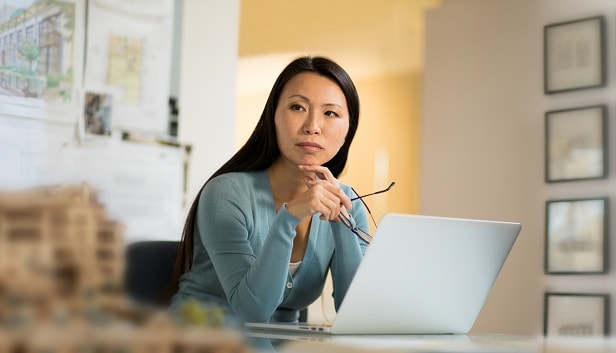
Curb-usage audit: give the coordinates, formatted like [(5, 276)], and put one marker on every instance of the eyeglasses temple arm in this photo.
[(374, 193)]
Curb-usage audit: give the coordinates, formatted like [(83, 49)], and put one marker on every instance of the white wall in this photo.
[(483, 138), (176, 48), (208, 85)]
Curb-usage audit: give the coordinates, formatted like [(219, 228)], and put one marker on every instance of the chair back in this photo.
[(148, 271)]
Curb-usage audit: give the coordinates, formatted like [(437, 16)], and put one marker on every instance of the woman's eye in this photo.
[(297, 107), (331, 114)]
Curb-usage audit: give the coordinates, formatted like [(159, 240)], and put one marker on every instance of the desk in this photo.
[(283, 342)]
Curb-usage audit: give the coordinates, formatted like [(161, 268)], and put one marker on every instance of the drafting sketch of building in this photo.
[(36, 50)]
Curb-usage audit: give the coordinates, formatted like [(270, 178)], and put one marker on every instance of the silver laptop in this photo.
[(420, 275)]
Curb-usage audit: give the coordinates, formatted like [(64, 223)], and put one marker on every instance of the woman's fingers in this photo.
[(330, 209), (317, 199), (320, 172), (326, 178)]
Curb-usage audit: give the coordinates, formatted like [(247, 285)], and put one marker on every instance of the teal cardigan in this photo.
[(242, 251)]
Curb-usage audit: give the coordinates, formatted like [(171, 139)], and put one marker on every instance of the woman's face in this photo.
[(312, 119)]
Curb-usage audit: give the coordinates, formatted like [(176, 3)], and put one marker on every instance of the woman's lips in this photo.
[(310, 146)]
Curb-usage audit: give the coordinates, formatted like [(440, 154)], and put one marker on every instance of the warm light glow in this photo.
[(380, 44)]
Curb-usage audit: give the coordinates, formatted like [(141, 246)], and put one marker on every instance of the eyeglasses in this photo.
[(346, 220)]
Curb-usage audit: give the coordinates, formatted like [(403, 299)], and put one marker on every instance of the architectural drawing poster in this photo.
[(129, 50), (41, 56)]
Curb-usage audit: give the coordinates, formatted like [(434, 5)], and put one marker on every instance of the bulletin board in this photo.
[(77, 77)]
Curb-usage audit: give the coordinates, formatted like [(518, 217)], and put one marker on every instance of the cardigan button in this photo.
[(289, 285)]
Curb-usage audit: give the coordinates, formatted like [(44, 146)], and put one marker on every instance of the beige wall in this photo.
[(387, 143), (482, 148), (483, 139)]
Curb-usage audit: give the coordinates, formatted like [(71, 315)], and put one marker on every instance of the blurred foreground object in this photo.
[(157, 334), (62, 263), (59, 253)]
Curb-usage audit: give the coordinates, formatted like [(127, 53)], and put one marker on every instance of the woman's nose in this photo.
[(312, 124)]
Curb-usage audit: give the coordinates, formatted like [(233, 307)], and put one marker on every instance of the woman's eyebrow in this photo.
[(304, 98), (300, 97), (334, 105)]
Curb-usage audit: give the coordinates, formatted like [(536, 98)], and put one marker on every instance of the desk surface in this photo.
[(274, 341)]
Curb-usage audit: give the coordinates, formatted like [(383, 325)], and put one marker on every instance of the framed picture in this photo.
[(574, 314), (574, 55), (576, 146), (576, 236), (97, 113)]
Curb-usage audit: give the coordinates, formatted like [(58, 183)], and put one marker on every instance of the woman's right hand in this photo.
[(323, 196)]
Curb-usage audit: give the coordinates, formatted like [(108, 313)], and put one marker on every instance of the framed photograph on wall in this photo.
[(576, 146), (97, 113), (575, 314), (576, 236), (574, 55)]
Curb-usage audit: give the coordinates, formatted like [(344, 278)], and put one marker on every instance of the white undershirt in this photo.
[(293, 266)]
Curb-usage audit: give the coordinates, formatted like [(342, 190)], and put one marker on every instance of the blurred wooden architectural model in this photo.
[(58, 251), (62, 263)]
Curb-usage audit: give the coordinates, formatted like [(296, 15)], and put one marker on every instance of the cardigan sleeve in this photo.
[(254, 285), (348, 253)]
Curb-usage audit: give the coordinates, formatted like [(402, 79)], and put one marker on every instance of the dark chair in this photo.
[(148, 271)]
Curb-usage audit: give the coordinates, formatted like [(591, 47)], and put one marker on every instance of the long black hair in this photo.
[(261, 149)]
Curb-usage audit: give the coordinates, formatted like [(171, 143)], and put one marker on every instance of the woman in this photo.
[(264, 230)]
